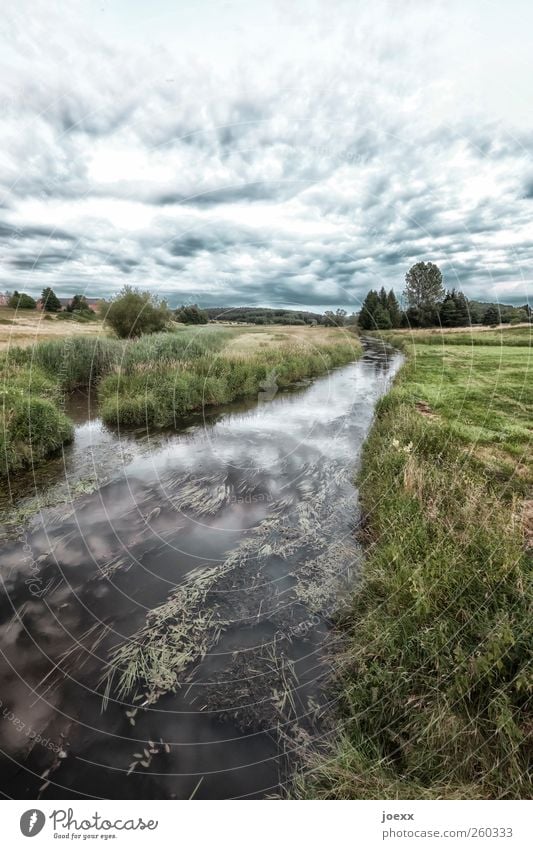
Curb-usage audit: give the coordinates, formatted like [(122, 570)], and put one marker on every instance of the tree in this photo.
[(132, 313), (79, 304), (334, 319), (491, 316), (463, 310), (383, 297), (413, 317), (393, 308), (424, 290), (50, 301), (21, 301), (382, 318), (340, 317), (368, 310), (448, 312), (191, 314), (517, 316)]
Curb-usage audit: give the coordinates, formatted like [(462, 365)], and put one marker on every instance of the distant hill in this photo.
[(268, 315), (263, 315)]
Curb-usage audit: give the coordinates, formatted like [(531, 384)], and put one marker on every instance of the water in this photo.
[(246, 522)]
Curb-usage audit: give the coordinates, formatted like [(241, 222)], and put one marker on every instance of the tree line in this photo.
[(429, 304)]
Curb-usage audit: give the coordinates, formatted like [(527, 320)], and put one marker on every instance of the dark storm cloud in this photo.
[(189, 245), (43, 260), (228, 194), (528, 189), (33, 232)]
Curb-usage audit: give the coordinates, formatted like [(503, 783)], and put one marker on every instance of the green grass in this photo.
[(504, 337), (151, 381), (170, 389), (434, 684), (35, 380), (32, 425)]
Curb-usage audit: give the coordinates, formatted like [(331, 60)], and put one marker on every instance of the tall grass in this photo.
[(32, 424), (166, 390), (82, 360), (435, 683), (153, 380), (34, 380)]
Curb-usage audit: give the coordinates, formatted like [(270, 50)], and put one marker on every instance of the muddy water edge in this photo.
[(167, 598)]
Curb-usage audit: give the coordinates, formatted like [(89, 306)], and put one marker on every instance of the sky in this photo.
[(288, 154)]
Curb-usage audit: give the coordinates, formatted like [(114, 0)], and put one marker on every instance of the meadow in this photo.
[(434, 681)]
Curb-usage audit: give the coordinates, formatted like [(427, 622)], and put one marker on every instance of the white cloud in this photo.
[(264, 152)]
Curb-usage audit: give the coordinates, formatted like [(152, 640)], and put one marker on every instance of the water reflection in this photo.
[(241, 530)]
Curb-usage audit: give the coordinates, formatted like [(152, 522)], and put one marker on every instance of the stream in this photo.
[(232, 538)]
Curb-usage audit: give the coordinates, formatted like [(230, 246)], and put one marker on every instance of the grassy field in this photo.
[(24, 328), (435, 681), (153, 380)]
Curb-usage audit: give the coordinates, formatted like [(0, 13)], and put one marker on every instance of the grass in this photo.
[(25, 328), (32, 422), (151, 381), (435, 681), (164, 391), (505, 336), (177, 634)]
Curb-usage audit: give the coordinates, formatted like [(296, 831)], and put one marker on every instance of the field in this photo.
[(434, 683), (27, 327), (151, 381)]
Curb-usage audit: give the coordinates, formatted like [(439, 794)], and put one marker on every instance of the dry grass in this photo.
[(251, 340), (444, 331), (28, 327)]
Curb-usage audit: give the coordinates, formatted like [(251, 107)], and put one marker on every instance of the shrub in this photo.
[(21, 301), (191, 314), (129, 411), (31, 429), (133, 313)]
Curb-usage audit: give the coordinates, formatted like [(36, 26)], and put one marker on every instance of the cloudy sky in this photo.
[(274, 153)]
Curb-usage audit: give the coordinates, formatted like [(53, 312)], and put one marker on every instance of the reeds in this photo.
[(169, 389)]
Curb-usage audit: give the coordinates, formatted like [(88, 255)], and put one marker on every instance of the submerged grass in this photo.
[(435, 683), (177, 635)]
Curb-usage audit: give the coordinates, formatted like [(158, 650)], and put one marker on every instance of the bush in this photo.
[(21, 302), (133, 313), (191, 314), (30, 430), (129, 411)]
